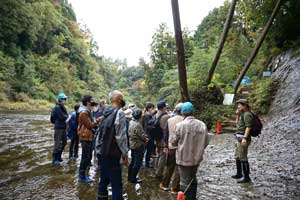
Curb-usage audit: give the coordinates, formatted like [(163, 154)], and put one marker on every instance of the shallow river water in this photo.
[(26, 171)]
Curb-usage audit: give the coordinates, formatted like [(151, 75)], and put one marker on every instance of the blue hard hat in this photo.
[(61, 96), (187, 107)]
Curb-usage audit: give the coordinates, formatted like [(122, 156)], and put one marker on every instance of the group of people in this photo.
[(172, 143)]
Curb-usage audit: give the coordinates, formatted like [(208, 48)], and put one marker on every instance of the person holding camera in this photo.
[(85, 133)]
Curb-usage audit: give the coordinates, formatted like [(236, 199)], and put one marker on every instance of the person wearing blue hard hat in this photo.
[(59, 116), (61, 96), (191, 139)]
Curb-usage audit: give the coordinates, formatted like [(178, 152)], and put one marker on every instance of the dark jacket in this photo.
[(147, 122), (73, 125), (60, 116)]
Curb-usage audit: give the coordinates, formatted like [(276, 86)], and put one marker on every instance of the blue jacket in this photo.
[(60, 116), (73, 125)]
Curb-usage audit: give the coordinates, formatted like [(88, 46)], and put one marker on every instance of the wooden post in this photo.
[(180, 52)]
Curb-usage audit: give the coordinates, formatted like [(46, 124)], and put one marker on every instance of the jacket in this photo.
[(60, 116), (111, 138), (163, 123), (147, 122), (85, 124), (137, 137), (191, 138), (73, 125), (171, 127)]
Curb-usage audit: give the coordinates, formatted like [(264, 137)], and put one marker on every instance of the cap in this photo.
[(131, 105), (161, 104), (242, 101)]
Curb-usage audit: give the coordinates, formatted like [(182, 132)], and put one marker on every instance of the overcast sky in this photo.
[(123, 28)]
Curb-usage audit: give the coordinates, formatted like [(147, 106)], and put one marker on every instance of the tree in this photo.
[(222, 42), (257, 47)]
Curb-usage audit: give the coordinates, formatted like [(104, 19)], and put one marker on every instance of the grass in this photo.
[(30, 105)]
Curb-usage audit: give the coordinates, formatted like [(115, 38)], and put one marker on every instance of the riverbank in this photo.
[(31, 105)]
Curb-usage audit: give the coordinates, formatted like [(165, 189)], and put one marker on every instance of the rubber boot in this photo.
[(246, 171), (59, 156), (134, 178), (71, 157), (55, 160), (102, 196), (238, 170), (191, 192), (82, 178), (130, 174)]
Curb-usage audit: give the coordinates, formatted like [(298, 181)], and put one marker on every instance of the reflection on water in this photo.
[(26, 171)]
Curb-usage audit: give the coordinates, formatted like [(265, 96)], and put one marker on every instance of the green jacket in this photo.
[(245, 121)]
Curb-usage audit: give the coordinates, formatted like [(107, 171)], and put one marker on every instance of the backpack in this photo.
[(155, 130), (105, 135), (256, 126), (52, 115)]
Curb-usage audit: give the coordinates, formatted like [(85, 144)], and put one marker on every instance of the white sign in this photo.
[(228, 99)]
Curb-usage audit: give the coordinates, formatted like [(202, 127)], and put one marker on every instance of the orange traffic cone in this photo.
[(180, 196), (218, 127)]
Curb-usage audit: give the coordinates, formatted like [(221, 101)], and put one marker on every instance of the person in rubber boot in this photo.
[(59, 116), (85, 134), (244, 121)]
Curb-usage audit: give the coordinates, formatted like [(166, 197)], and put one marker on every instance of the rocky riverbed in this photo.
[(26, 171)]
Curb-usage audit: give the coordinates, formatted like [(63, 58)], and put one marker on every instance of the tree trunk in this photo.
[(222, 42), (257, 47), (180, 52)]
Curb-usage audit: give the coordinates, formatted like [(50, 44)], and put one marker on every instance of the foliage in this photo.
[(43, 52), (262, 95)]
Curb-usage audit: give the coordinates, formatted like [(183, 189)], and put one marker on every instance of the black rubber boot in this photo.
[(134, 178), (129, 174), (71, 152), (55, 160), (246, 171), (59, 156), (238, 170), (191, 192)]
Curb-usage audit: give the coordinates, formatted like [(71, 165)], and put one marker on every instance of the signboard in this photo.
[(228, 99), (266, 74)]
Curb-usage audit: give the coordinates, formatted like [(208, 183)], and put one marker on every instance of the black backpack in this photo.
[(52, 115), (155, 130), (105, 135), (256, 126)]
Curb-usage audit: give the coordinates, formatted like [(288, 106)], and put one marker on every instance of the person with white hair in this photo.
[(111, 146)]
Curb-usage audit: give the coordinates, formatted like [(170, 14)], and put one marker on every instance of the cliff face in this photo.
[(285, 109), (278, 150)]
